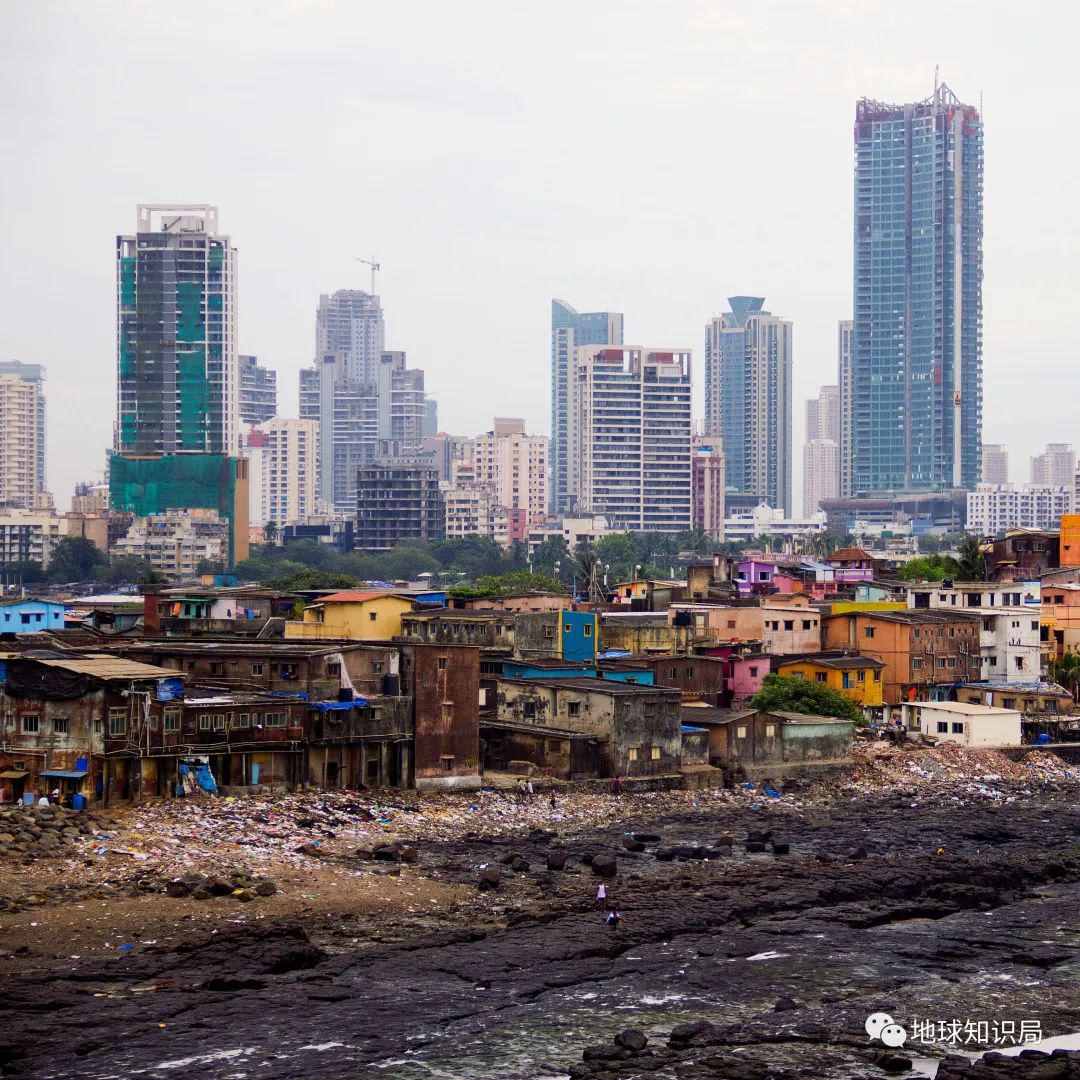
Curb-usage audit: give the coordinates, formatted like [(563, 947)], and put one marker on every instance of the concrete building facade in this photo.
[(22, 434), (995, 463), (1055, 466), (258, 391), (821, 473), (708, 485), (290, 471), (514, 465), (629, 437), (398, 499), (845, 336), (995, 508)]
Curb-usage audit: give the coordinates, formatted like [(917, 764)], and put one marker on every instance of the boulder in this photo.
[(386, 852), (408, 854), (490, 878), (781, 847), (177, 888), (245, 896), (632, 1039), (664, 854), (201, 892), (604, 865), (895, 1063), (265, 888), (632, 843), (683, 1035), (556, 860), (785, 1004), (219, 886), (647, 837), (755, 846)]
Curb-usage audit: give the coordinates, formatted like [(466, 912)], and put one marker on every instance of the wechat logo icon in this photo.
[(882, 1026)]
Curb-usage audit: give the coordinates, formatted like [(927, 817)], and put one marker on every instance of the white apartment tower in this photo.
[(22, 434), (514, 465), (629, 437), (284, 473), (995, 463), (1055, 466), (821, 473)]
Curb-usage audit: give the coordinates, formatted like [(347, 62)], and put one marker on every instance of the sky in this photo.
[(650, 158)]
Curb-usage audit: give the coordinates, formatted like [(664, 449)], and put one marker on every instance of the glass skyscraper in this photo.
[(570, 330), (916, 406)]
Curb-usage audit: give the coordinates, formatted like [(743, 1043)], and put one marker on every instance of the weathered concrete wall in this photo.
[(817, 742)]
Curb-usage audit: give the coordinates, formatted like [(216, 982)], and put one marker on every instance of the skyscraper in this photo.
[(570, 330), (22, 434), (917, 363), (514, 465), (823, 415), (995, 463), (177, 385), (1055, 466), (258, 391), (628, 442), (349, 323), (844, 344), (748, 398)]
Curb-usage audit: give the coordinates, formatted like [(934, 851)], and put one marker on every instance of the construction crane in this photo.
[(374, 266)]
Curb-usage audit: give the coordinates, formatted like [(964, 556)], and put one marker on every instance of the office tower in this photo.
[(917, 365), (748, 398), (1055, 466), (431, 417), (398, 499), (22, 434), (514, 466), (349, 323), (629, 437), (995, 463), (571, 330), (844, 346), (823, 415), (289, 488), (707, 509), (258, 391), (177, 385), (821, 473)]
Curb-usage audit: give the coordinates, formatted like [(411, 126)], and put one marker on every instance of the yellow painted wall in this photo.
[(842, 607), (352, 619), (864, 692)]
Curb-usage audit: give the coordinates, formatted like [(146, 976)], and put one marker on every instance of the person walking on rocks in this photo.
[(613, 918), (601, 896)]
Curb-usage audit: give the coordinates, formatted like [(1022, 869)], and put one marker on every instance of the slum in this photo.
[(239, 693)]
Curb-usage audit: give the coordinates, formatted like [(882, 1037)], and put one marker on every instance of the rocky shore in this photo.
[(772, 931)]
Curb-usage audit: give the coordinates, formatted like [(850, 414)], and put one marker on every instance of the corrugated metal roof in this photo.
[(102, 666)]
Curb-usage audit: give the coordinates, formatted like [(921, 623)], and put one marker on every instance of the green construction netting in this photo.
[(191, 385), (189, 322)]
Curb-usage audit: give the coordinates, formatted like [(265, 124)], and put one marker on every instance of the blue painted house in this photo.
[(30, 616)]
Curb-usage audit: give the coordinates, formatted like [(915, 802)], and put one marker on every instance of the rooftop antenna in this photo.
[(374, 266), (935, 80)]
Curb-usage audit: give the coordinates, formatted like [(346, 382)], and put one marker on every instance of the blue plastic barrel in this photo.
[(78, 802), (28, 799)]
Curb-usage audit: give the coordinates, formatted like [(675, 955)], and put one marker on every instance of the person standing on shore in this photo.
[(613, 918), (601, 896)]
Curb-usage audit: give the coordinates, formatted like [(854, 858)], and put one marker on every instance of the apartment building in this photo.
[(514, 466), (22, 434), (289, 466), (630, 429), (993, 509), (177, 541)]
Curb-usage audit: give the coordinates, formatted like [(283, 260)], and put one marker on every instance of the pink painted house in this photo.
[(746, 674)]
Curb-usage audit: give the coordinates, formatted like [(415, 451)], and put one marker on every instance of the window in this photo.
[(632, 753), (958, 727), (204, 721), (770, 731), (941, 661), (822, 676), (333, 669), (869, 632), (60, 725), (31, 724), (988, 624), (753, 671), (943, 727), (992, 660), (442, 663), (807, 624), (549, 631), (566, 628), (373, 615), (862, 676), (740, 733), (877, 676), (256, 669), (274, 719), (217, 667), (1009, 703), (171, 720), (118, 721), (447, 762), (731, 624), (798, 675), (789, 624), (655, 753), (376, 667), (554, 746), (219, 721), (528, 710), (1034, 624), (25, 619), (573, 708), (950, 661), (588, 629), (1019, 663), (847, 680), (287, 671)]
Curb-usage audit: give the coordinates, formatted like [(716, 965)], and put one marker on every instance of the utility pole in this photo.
[(374, 266)]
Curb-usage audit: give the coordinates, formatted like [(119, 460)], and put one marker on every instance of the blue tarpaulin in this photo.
[(64, 774), (170, 689), (205, 779), (339, 706)]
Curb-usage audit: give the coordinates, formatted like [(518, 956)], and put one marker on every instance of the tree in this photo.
[(270, 531), (76, 559), (128, 570), (1066, 671), (307, 579), (553, 551), (779, 693), (617, 554), (970, 562), (930, 568), (518, 581)]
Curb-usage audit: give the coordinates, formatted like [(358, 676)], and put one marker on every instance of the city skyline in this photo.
[(511, 256)]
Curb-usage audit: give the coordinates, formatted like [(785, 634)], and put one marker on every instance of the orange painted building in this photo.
[(1069, 540), (919, 649)]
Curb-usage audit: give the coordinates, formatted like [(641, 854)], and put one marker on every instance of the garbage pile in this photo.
[(952, 769)]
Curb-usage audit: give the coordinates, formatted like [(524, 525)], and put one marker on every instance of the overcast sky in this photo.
[(651, 158)]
